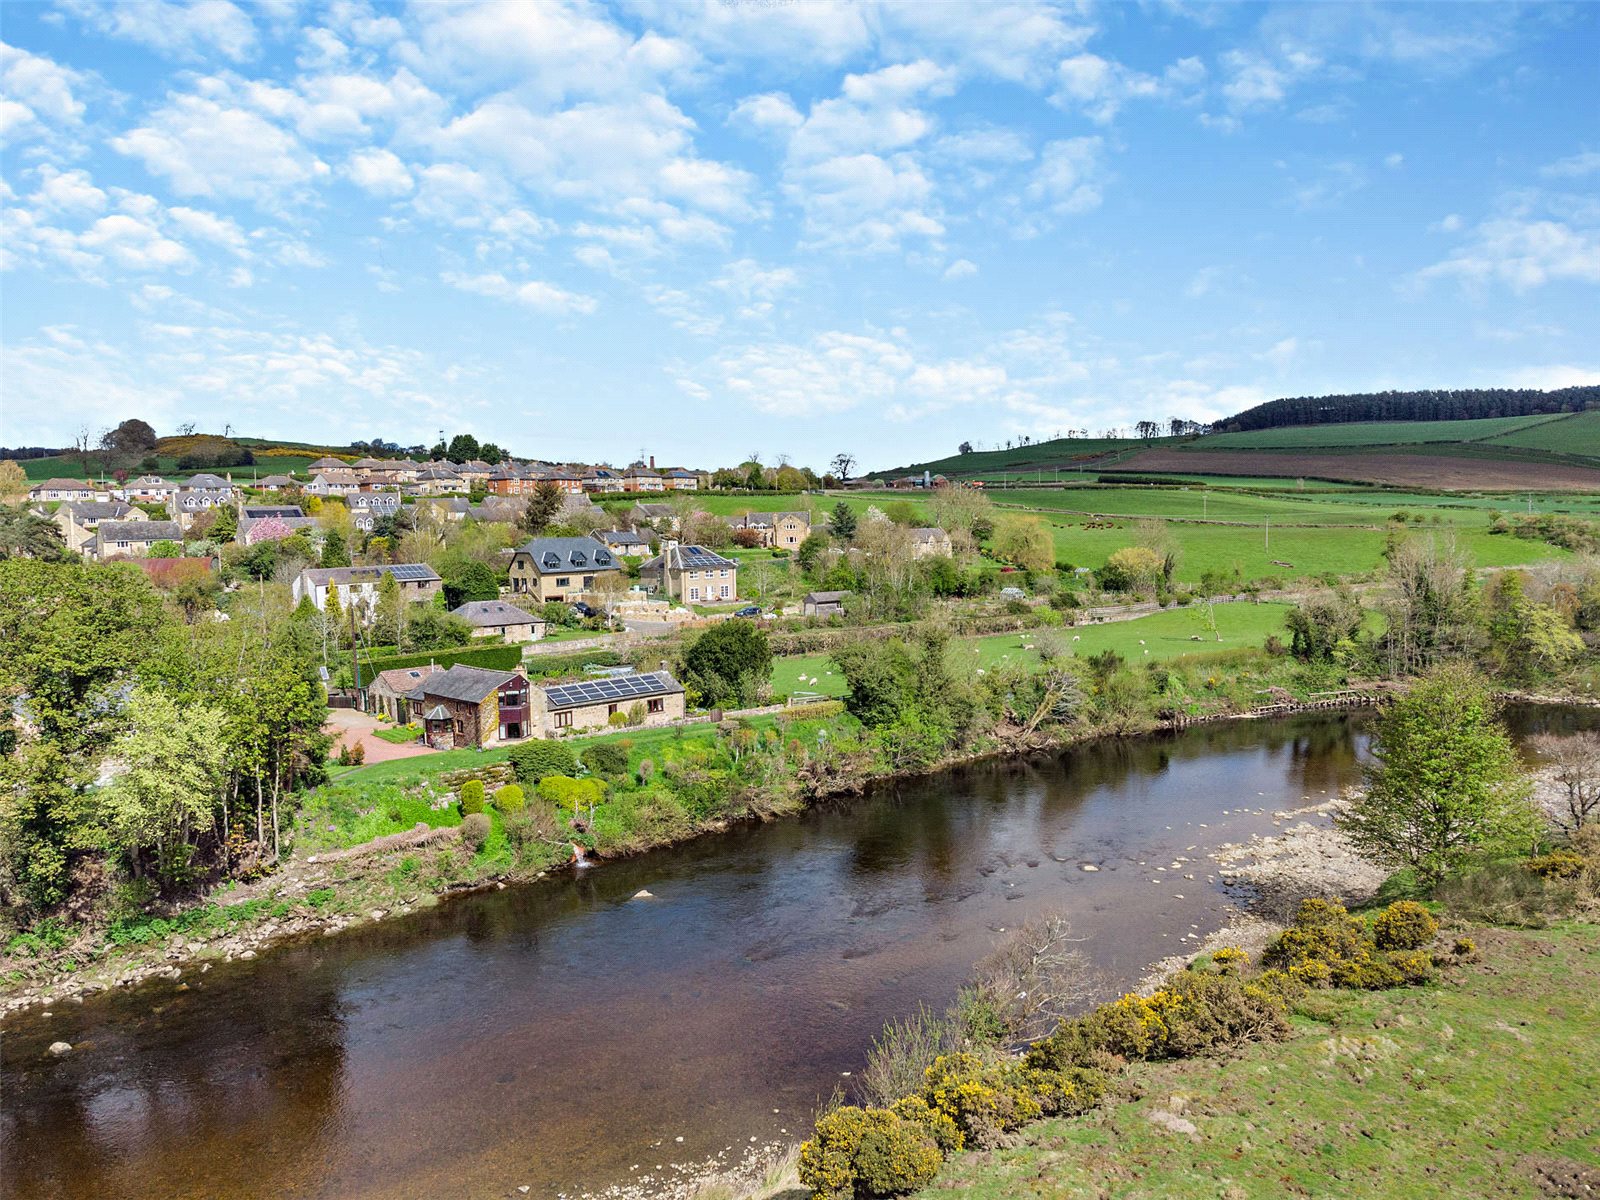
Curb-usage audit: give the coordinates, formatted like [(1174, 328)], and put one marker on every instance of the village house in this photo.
[(62, 489), (511, 481), (777, 530), (502, 514), (475, 472), (444, 508), (492, 618), (640, 478), (78, 520), (651, 698), (625, 543), (576, 509), (930, 542), (358, 586), (389, 694), (438, 479), (471, 706), (188, 503), (602, 479), (560, 568), (680, 480), (567, 480), (114, 539), (823, 604), (276, 483), (368, 508), (692, 574), (148, 489), (328, 463), (271, 523), (334, 483), (655, 516)]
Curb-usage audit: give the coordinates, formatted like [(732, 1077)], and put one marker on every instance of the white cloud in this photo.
[(36, 93), (1549, 378), (1069, 176), (194, 30), (962, 268), (379, 171), (535, 294), (1101, 87), (1522, 253), (222, 231), (1394, 161), (1574, 167), (206, 149), (68, 191)]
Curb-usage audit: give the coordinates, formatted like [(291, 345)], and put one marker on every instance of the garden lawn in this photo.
[(1481, 1086)]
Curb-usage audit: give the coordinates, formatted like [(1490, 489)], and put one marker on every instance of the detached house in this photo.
[(490, 618), (657, 516), (276, 483), (930, 542), (560, 568), (625, 543), (692, 574), (439, 479), (390, 692), (328, 463), (78, 520), (149, 489), (271, 523), (367, 508), (469, 706), (778, 530), (188, 503), (653, 698), (132, 538), (334, 483), (62, 489), (358, 586)]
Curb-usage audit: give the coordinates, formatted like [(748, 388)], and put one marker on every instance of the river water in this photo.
[(563, 1035)]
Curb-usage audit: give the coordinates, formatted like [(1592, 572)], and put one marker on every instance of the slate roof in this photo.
[(763, 520), (407, 572), (139, 531), (493, 512), (549, 556), (619, 689), (403, 680), (825, 597), (328, 463), (491, 614), (275, 481), (929, 533), (97, 510), (62, 485), (206, 480), (689, 558), (471, 685), (622, 537), (257, 511)]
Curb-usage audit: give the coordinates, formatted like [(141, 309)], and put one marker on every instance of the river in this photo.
[(563, 1035)]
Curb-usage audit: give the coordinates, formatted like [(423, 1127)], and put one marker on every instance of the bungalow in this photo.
[(559, 568), (930, 542), (79, 520), (359, 585), (692, 573), (334, 483), (778, 530), (624, 543), (389, 694), (471, 706), (118, 538), (62, 489), (652, 698), (489, 618), (502, 514), (328, 463), (823, 604)]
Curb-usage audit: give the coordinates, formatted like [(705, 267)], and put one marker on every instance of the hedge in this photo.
[(493, 658), (572, 664)]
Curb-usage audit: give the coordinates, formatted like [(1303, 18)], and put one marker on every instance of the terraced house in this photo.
[(560, 568)]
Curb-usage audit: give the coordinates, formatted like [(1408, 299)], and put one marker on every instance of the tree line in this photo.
[(1439, 404)]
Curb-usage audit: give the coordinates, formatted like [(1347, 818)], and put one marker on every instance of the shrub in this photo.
[(606, 758), (574, 794), (533, 760), (472, 797), (1327, 947), (1558, 864), (857, 1154), (1404, 925), (510, 799), (938, 1125), (475, 831), (985, 1101), (1230, 960), (1507, 894)]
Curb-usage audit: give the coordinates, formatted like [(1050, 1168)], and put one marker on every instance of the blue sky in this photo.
[(585, 230)]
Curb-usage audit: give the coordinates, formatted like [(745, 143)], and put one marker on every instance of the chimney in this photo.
[(652, 462)]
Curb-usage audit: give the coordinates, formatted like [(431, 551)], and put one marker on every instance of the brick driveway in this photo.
[(350, 727)]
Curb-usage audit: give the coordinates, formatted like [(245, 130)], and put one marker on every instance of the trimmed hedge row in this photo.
[(572, 664), (492, 658)]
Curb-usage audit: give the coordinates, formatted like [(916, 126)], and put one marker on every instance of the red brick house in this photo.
[(470, 706)]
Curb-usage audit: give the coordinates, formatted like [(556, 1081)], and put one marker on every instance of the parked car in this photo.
[(749, 610), (584, 610)]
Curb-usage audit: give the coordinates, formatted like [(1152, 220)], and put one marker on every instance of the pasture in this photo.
[(1372, 433)]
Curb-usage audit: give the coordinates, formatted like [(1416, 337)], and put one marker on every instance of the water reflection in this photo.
[(556, 1034)]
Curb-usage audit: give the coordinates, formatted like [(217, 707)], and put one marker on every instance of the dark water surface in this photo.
[(561, 1033)]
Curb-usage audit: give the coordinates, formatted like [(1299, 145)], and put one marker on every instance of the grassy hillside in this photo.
[(1480, 1086), (1063, 453), (1374, 433), (1577, 434)]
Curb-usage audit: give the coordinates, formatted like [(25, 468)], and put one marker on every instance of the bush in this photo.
[(1558, 864), (475, 830), (533, 760), (984, 1101), (606, 758), (858, 1154), (1404, 925), (472, 797), (1327, 947), (573, 794), (1507, 894), (510, 799)]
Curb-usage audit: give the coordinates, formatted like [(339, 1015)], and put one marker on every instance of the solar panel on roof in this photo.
[(411, 571), (606, 691)]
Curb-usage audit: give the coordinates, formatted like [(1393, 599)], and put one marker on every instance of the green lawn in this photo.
[(1208, 504), (1370, 433), (1481, 1086)]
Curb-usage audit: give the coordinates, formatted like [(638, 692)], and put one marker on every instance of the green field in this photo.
[(1577, 434), (1065, 452), (56, 467), (1480, 1086), (1205, 504), (1370, 433)]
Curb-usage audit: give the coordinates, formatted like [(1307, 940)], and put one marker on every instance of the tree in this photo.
[(1147, 430), (167, 794), (132, 439), (13, 483), (1574, 764), (24, 534), (730, 663), (1324, 625), (1431, 607), (1446, 783), (842, 524), (463, 448), (335, 553), (226, 527), (472, 581), (429, 629), (842, 465), (1024, 542), (811, 550), (964, 448), (541, 508)]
